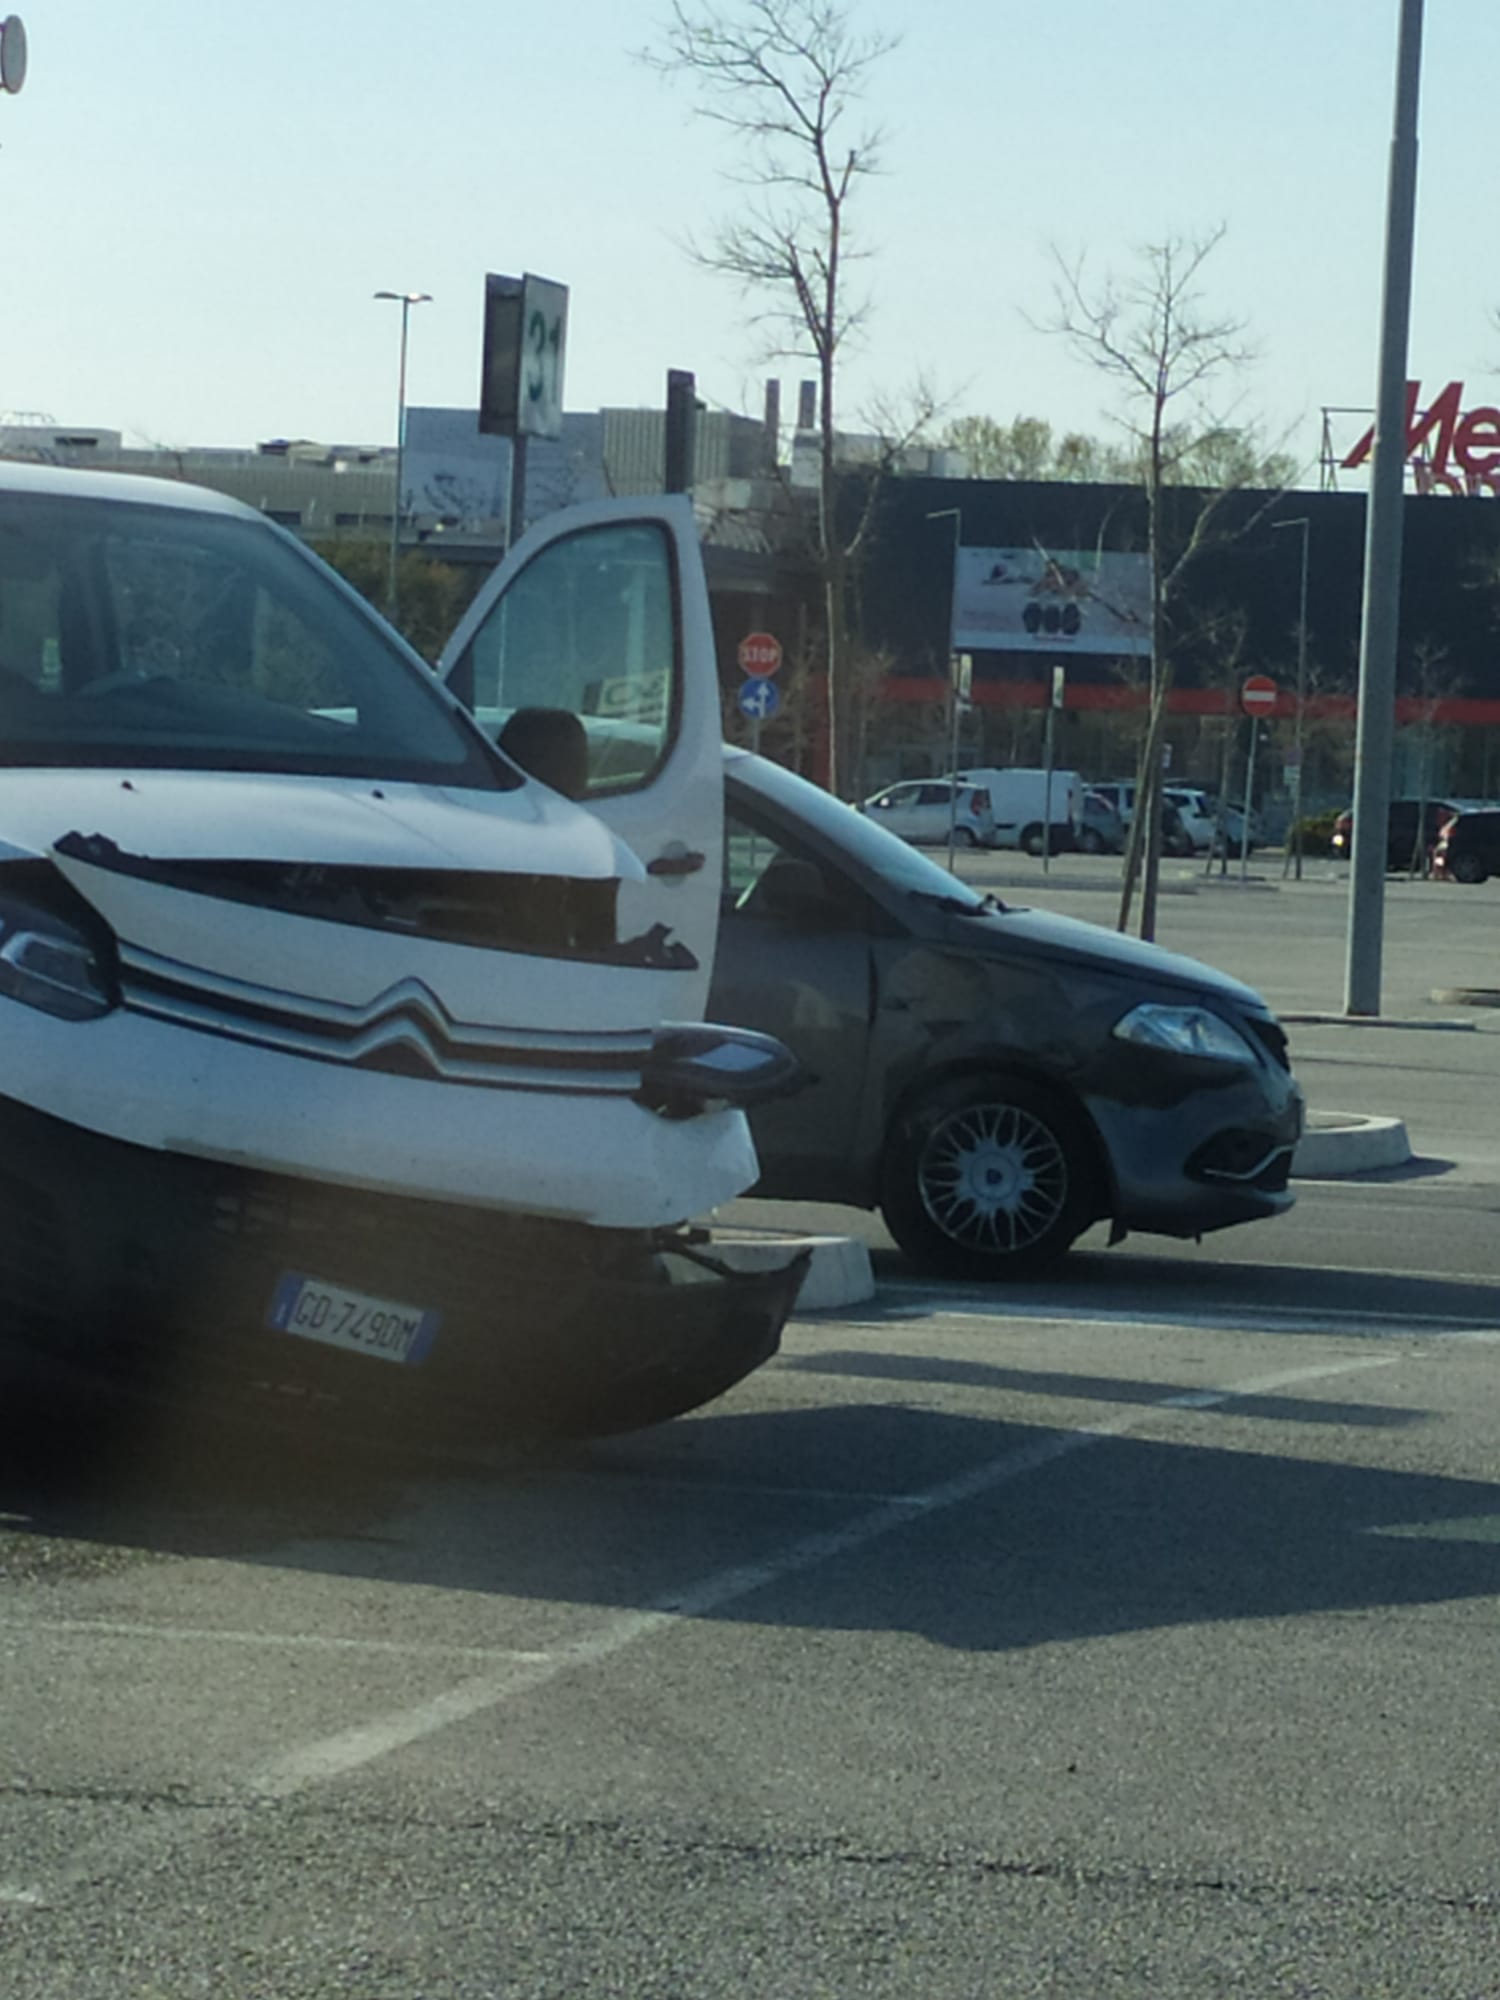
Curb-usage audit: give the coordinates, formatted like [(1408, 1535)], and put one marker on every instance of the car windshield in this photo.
[(175, 637), (860, 839)]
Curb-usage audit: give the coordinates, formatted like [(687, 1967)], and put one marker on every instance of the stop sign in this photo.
[(759, 654), (1258, 694)]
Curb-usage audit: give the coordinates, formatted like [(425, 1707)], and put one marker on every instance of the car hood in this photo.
[(1042, 934), (286, 891)]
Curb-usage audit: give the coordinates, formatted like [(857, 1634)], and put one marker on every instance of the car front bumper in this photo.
[(1213, 1158), (582, 1154), (157, 1272)]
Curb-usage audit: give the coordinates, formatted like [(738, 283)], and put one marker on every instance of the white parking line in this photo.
[(104, 1628), (943, 1304), (348, 1750)]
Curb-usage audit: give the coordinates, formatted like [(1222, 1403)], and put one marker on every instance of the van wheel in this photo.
[(1031, 840), (1468, 868), (987, 1177)]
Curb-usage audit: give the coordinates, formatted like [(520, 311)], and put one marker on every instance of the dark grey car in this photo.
[(992, 1079)]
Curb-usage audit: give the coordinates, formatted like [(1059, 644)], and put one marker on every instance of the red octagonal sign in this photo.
[(759, 654), (1258, 694)]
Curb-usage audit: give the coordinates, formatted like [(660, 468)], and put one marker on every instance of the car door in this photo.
[(897, 810), (933, 813), (589, 656), (797, 967)]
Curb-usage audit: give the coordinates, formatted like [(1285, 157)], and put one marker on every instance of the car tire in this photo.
[(1090, 841), (988, 1177), (965, 836), (1031, 840), (1468, 868)]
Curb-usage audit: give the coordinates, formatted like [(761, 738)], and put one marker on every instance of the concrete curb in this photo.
[(1347, 1142), (839, 1274), (1466, 996), (1448, 998)]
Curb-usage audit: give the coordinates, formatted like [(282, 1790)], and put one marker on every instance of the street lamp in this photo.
[(406, 300), (1305, 525)]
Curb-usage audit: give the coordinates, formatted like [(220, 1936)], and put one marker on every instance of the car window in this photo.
[(589, 627), (847, 833), (753, 851), (168, 637)]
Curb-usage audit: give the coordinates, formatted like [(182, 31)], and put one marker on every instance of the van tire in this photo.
[(1031, 840)]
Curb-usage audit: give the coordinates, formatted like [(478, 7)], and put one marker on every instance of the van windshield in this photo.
[(175, 637)]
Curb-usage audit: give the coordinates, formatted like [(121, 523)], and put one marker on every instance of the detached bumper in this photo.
[(159, 1272)]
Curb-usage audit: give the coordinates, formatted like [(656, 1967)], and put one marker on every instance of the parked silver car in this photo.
[(923, 810)]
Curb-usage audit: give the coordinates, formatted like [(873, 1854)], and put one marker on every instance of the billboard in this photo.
[(1052, 601)]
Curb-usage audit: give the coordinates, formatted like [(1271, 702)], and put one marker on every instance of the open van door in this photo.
[(589, 656)]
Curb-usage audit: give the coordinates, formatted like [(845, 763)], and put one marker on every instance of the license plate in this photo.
[(382, 1328)]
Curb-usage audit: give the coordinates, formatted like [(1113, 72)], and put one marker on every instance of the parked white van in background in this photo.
[(1020, 800)]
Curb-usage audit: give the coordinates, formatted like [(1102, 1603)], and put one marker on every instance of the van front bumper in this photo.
[(160, 1273)]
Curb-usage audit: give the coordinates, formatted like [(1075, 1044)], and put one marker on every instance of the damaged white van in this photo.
[(341, 1057)]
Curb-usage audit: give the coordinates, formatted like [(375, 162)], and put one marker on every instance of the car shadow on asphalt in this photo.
[(981, 1530), (1178, 1285)]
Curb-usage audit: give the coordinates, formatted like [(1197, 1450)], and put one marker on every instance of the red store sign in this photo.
[(1448, 449)]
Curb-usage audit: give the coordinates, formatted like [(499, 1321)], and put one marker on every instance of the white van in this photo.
[(349, 1063), (1020, 800)]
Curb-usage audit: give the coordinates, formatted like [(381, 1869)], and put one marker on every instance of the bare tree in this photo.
[(1150, 332), (784, 77)]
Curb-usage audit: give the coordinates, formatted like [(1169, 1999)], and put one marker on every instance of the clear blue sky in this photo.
[(197, 200)]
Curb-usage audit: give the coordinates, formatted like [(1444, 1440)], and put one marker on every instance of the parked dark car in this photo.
[(1468, 848), (993, 1080), (1402, 846)]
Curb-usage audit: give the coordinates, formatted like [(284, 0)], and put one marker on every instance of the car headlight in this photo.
[(1184, 1031), (51, 964)]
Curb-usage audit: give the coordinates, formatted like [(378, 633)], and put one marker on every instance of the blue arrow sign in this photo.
[(758, 699)]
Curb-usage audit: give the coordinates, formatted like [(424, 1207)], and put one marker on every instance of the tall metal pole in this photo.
[(956, 516), (1295, 851), (406, 300), (1382, 591)]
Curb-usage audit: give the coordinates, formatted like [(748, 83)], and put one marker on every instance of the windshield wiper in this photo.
[(985, 906)]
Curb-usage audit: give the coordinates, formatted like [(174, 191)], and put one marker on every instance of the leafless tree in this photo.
[(1150, 331), (785, 77)]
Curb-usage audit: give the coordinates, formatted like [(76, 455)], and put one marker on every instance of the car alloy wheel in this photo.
[(1467, 868), (987, 1177)]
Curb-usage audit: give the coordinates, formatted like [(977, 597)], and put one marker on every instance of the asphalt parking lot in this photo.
[(1124, 1635)]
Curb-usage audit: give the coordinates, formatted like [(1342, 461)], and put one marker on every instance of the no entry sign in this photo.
[(1258, 694)]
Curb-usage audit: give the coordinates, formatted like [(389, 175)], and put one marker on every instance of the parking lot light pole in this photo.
[(1383, 523), (1305, 525), (406, 300)]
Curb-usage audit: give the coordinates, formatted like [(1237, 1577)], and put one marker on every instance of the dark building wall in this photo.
[(1450, 597)]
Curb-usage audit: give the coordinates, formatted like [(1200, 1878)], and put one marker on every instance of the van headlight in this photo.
[(51, 964), (1184, 1031)]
